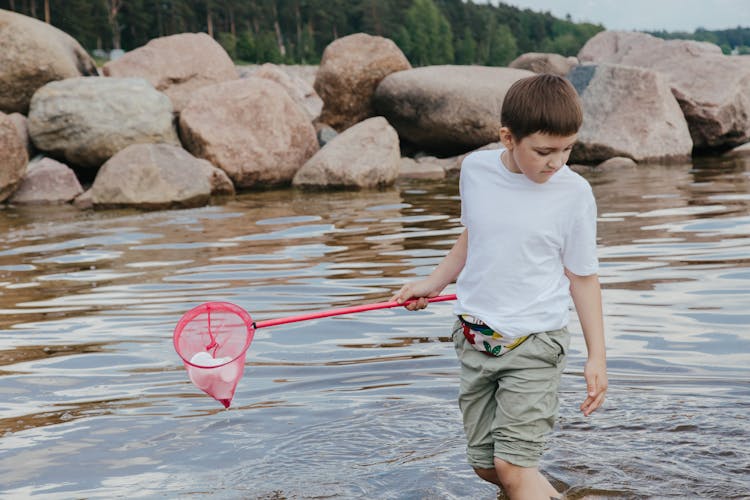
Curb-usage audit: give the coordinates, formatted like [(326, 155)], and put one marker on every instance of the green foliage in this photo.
[(426, 36), (229, 42), (731, 41)]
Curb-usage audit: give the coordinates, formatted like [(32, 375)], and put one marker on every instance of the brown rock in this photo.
[(13, 159), (153, 176), (617, 163), (350, 70), (711, 88), (47, 182), (33, 54), (544, 63), (365, 155), (84, 201), (177, 65), (630, 112), (446, 109), (251, 129), (22, 127), (298, 89)]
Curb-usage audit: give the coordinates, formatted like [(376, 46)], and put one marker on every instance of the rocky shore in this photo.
[(175, 122)]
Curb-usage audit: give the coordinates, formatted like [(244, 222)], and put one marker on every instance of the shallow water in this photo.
[(94, 403)]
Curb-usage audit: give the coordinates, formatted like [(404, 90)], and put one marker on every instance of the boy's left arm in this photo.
[(587, 297)]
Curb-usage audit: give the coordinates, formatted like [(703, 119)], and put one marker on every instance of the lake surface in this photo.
[(94, 403)]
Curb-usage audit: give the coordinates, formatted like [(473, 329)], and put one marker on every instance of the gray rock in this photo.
[(251, 129), (628, 112), (177, 65), (47, 182), (87, 120), (13, 159), (33, 54), (410, 168), (325, 133), (350, 70), (743, 150), (446, 109), (155, 176), (365, 155), (713, 89)]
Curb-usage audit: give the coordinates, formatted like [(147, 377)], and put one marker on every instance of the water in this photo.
[(95, 404)]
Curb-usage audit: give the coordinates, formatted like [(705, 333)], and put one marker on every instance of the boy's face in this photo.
[(537, 156)]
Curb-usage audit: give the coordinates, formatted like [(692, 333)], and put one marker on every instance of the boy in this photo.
[(529, 244)]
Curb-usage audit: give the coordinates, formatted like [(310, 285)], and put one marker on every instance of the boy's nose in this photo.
[(557, 161)]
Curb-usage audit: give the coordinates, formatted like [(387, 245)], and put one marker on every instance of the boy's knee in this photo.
[(510, 475), (489, 475)]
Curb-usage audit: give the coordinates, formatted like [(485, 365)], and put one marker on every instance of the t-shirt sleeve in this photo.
[(579, 254)]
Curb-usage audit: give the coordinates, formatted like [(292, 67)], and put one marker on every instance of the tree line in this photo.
[(297, 31), (731, 41)]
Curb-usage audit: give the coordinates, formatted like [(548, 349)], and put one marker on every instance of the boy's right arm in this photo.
[(445, 273)]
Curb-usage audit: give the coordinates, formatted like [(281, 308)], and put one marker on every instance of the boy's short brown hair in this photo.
[(542, 103)]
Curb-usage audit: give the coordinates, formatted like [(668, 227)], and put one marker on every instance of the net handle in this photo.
[(346, 310)]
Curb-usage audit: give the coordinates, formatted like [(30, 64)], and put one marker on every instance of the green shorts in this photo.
[(509, 403)]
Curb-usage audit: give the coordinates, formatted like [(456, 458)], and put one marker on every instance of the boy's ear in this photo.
[(506, 137)]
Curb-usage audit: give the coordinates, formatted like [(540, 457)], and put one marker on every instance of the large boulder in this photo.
[(20, 121), (298, 89), (33, 54), (87, 120), (350, 70), (446, 109), (365, 155), (13, 157), (177, 65), (544, 63), (47, 182), (156, 176), (251, 129), (628, 112), (713, 89)]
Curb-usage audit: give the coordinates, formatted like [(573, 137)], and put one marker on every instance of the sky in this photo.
[(647, 15)]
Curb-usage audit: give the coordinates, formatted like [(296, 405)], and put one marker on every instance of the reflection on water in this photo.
[(96, 404)]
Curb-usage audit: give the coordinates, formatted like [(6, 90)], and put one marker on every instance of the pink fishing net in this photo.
[(212, 340)]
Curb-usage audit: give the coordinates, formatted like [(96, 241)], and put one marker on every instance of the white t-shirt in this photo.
[(522, 236)]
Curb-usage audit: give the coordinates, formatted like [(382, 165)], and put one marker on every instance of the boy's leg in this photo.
[(527, 404), (478, 406), (523, 483), (480, 378)]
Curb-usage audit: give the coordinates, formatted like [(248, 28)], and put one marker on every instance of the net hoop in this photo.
[(207, 308)]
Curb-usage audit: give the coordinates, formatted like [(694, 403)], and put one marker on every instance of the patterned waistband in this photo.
[(484, 339)]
